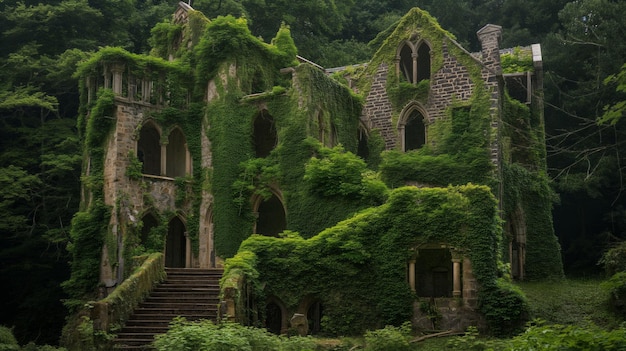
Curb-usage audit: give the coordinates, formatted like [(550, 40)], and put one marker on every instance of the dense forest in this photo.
[(40, 161)]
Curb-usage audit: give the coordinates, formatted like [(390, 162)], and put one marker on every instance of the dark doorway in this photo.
[(176, 244), (433, 270), (273, 318), (314, 317), (271, 219)]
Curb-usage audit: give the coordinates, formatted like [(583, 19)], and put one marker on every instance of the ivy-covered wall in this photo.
[(348, 218)]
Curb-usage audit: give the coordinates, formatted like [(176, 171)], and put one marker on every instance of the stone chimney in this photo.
[(490, 37)]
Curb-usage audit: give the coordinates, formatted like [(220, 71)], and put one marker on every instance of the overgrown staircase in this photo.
[(187, 292)]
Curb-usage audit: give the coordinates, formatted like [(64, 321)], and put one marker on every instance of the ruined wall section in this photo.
[(378, 110)]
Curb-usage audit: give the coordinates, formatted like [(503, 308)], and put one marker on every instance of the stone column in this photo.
[(414, 56), (163, 159), (412, 275), (456, 276), (117, 79)]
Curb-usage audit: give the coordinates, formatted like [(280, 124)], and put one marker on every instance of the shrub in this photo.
[(7, 339), (389, 338), (616, 288)]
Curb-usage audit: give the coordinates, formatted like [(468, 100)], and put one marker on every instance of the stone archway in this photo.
[(149, 149), (176, 244), (271, 217)]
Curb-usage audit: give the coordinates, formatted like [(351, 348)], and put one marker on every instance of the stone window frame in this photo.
[(414, 46), (163, 173), (404, 118), (185, 145)]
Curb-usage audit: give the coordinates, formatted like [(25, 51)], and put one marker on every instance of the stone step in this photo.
[(189, 293)]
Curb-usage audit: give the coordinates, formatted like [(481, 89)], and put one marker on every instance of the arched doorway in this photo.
[(176, 244), (271, 217), (273, 318), (433, 270)]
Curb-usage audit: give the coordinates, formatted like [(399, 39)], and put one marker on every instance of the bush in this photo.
[(616, 288), (7, 339), (614, 260), (207, 336), (389, 338)]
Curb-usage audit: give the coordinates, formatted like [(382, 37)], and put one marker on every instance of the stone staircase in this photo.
[(187, 292)]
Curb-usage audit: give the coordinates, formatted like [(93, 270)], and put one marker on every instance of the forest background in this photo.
[(40, 159)]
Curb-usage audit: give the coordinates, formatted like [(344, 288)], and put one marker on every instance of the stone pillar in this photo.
[(146, 89), (117, 79), (414, 57), (163, 159), (412, 275), (456, 276), (90, 85)]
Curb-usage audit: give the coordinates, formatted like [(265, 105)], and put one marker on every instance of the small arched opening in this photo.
[(406, 63), (176, 161), (176, 244), (271, 218), (423, 62), (149, 149), (265, 136), (363, 150)]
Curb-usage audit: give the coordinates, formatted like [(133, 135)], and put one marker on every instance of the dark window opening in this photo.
[(176, 161), (273, 318), (517, 86), (149, 150), (423, 62), (149, 242), (314, 317), (265, 137), (176, 245), (414, 132), (433, 270), (406, 63), (363, 150), (271, 220)]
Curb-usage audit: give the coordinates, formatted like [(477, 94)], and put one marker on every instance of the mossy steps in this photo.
[(187, 292)]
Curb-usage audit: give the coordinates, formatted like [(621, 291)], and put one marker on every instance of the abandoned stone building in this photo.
[(193, 156)]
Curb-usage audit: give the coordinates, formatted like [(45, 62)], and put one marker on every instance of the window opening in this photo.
[(265, 137), (406, 63), (433, 270), (147, 241), (423, 62), (271, 220), (176, 161), (363, 149), (414, 131), (149, 150), (314, 317)]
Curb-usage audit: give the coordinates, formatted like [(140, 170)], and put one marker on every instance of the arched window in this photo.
[(176, 244), (265, 137), (423, 62), (433, 270), (406, 63), (176, 161), (271, 217), (413, 62), (149, 149), (414, 131), (363, 148)]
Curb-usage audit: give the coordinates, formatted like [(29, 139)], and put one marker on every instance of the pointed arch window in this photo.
[(412, 127), (149, 149), (413, 62), (176, 154)]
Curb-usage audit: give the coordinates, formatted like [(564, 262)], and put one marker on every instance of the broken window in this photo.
[(271, 217)]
